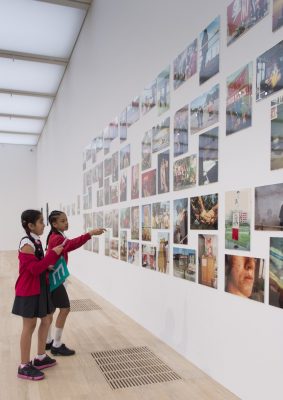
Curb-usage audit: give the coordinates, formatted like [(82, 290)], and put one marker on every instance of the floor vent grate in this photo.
[(84, 305)]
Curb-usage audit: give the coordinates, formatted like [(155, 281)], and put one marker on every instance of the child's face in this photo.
[(61, 223), (38, 227)]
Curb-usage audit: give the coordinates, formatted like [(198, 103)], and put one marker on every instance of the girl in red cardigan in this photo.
[(32, 299), (59, 224)]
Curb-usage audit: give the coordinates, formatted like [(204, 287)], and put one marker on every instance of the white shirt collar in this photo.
[(36, 237), (62, 233)]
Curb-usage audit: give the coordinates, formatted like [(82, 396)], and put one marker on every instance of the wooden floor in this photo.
[(79, 377)]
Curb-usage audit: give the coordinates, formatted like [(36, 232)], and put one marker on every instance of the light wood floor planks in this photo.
[(78, 377)]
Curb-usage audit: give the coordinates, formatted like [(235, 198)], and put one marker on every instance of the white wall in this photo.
[(17, 191), (123, 46)]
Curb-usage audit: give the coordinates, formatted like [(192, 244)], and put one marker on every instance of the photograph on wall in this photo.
[(106, 243), (106, 141), (207, 260), (209, 51), (269, 72), (161, 215), (125, 157), (135, 183), (204, 212), (115, 166), (134, 253), (239, 99), (106, 191), (208, 157), (114, 248), (244, 276), (180, 215), (276, 161), (163, 258), (125, 218), (146, 150), (277, 15), (148, 100), (88, 221), (243, 15), (123, 186), (99, 143), (276, 272), (93, 151), (269, 208), (238, 219), (115, 223), (135, 224), (97, 221), (146, 222), (185, 172), (114, 189), (163, 172), (181, 131), (108, 216), (184, 263), (149, 256), (204, 110), (149, 183), (123, 126), (161, 135), (107, 167), (100, 176), (95, 244), (100, 198), (113, 129), (123, 246), (163, 91), (185, 65), (133, 111)]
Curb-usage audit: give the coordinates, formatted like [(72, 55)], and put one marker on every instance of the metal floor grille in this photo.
[(84, 305), (131, 367)]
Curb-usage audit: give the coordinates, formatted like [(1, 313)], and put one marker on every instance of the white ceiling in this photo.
[(36, 42)]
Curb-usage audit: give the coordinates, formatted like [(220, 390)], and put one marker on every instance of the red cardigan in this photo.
[(71, 244), (30, 267)]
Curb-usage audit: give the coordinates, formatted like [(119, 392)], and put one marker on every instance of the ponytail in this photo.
[(52, 218)]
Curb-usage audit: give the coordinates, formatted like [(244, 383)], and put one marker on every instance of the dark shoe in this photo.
[(48, 345), (30, 372), (47, 362), (62, 351)]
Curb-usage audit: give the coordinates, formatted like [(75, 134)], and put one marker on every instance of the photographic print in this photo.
[(149, 183), (149, 97), (238, 219), (114, 248), (208, 157), (106, 191), (205, 110), (184, 263), (100, 198), (106, 243), (125, 157), (100, 174), (161, 135), (115, 166), (133, 111), (185, 172), (148, 257), (239, 100), (180, 211), (276, 272), (185, 65), (269, 72), (99, 143), (108, 215), (106, 140), (107, 167), (123, 125), (161, 215), (134, 253), (163, 172), (243, 15), (135, 224), (146, 222), (95, 244), (114, 193), (113, 129), (97, 220), (163, 258), (276, 161), (269, 207), (163, 91), (146, 150), (125, 218), (123, 186), (123, 246), (244, 277), (208, 260), (209, 51), (115, 223), (135, 187), (181, 131), (277, 15), (204, 212)]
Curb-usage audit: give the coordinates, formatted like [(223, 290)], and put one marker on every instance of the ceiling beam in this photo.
[(26, 93), (16, 55), (21, 116), (84, 4), (19, 133)]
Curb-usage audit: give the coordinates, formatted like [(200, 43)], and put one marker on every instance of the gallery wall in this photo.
[(124, 46), (17, 182)]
